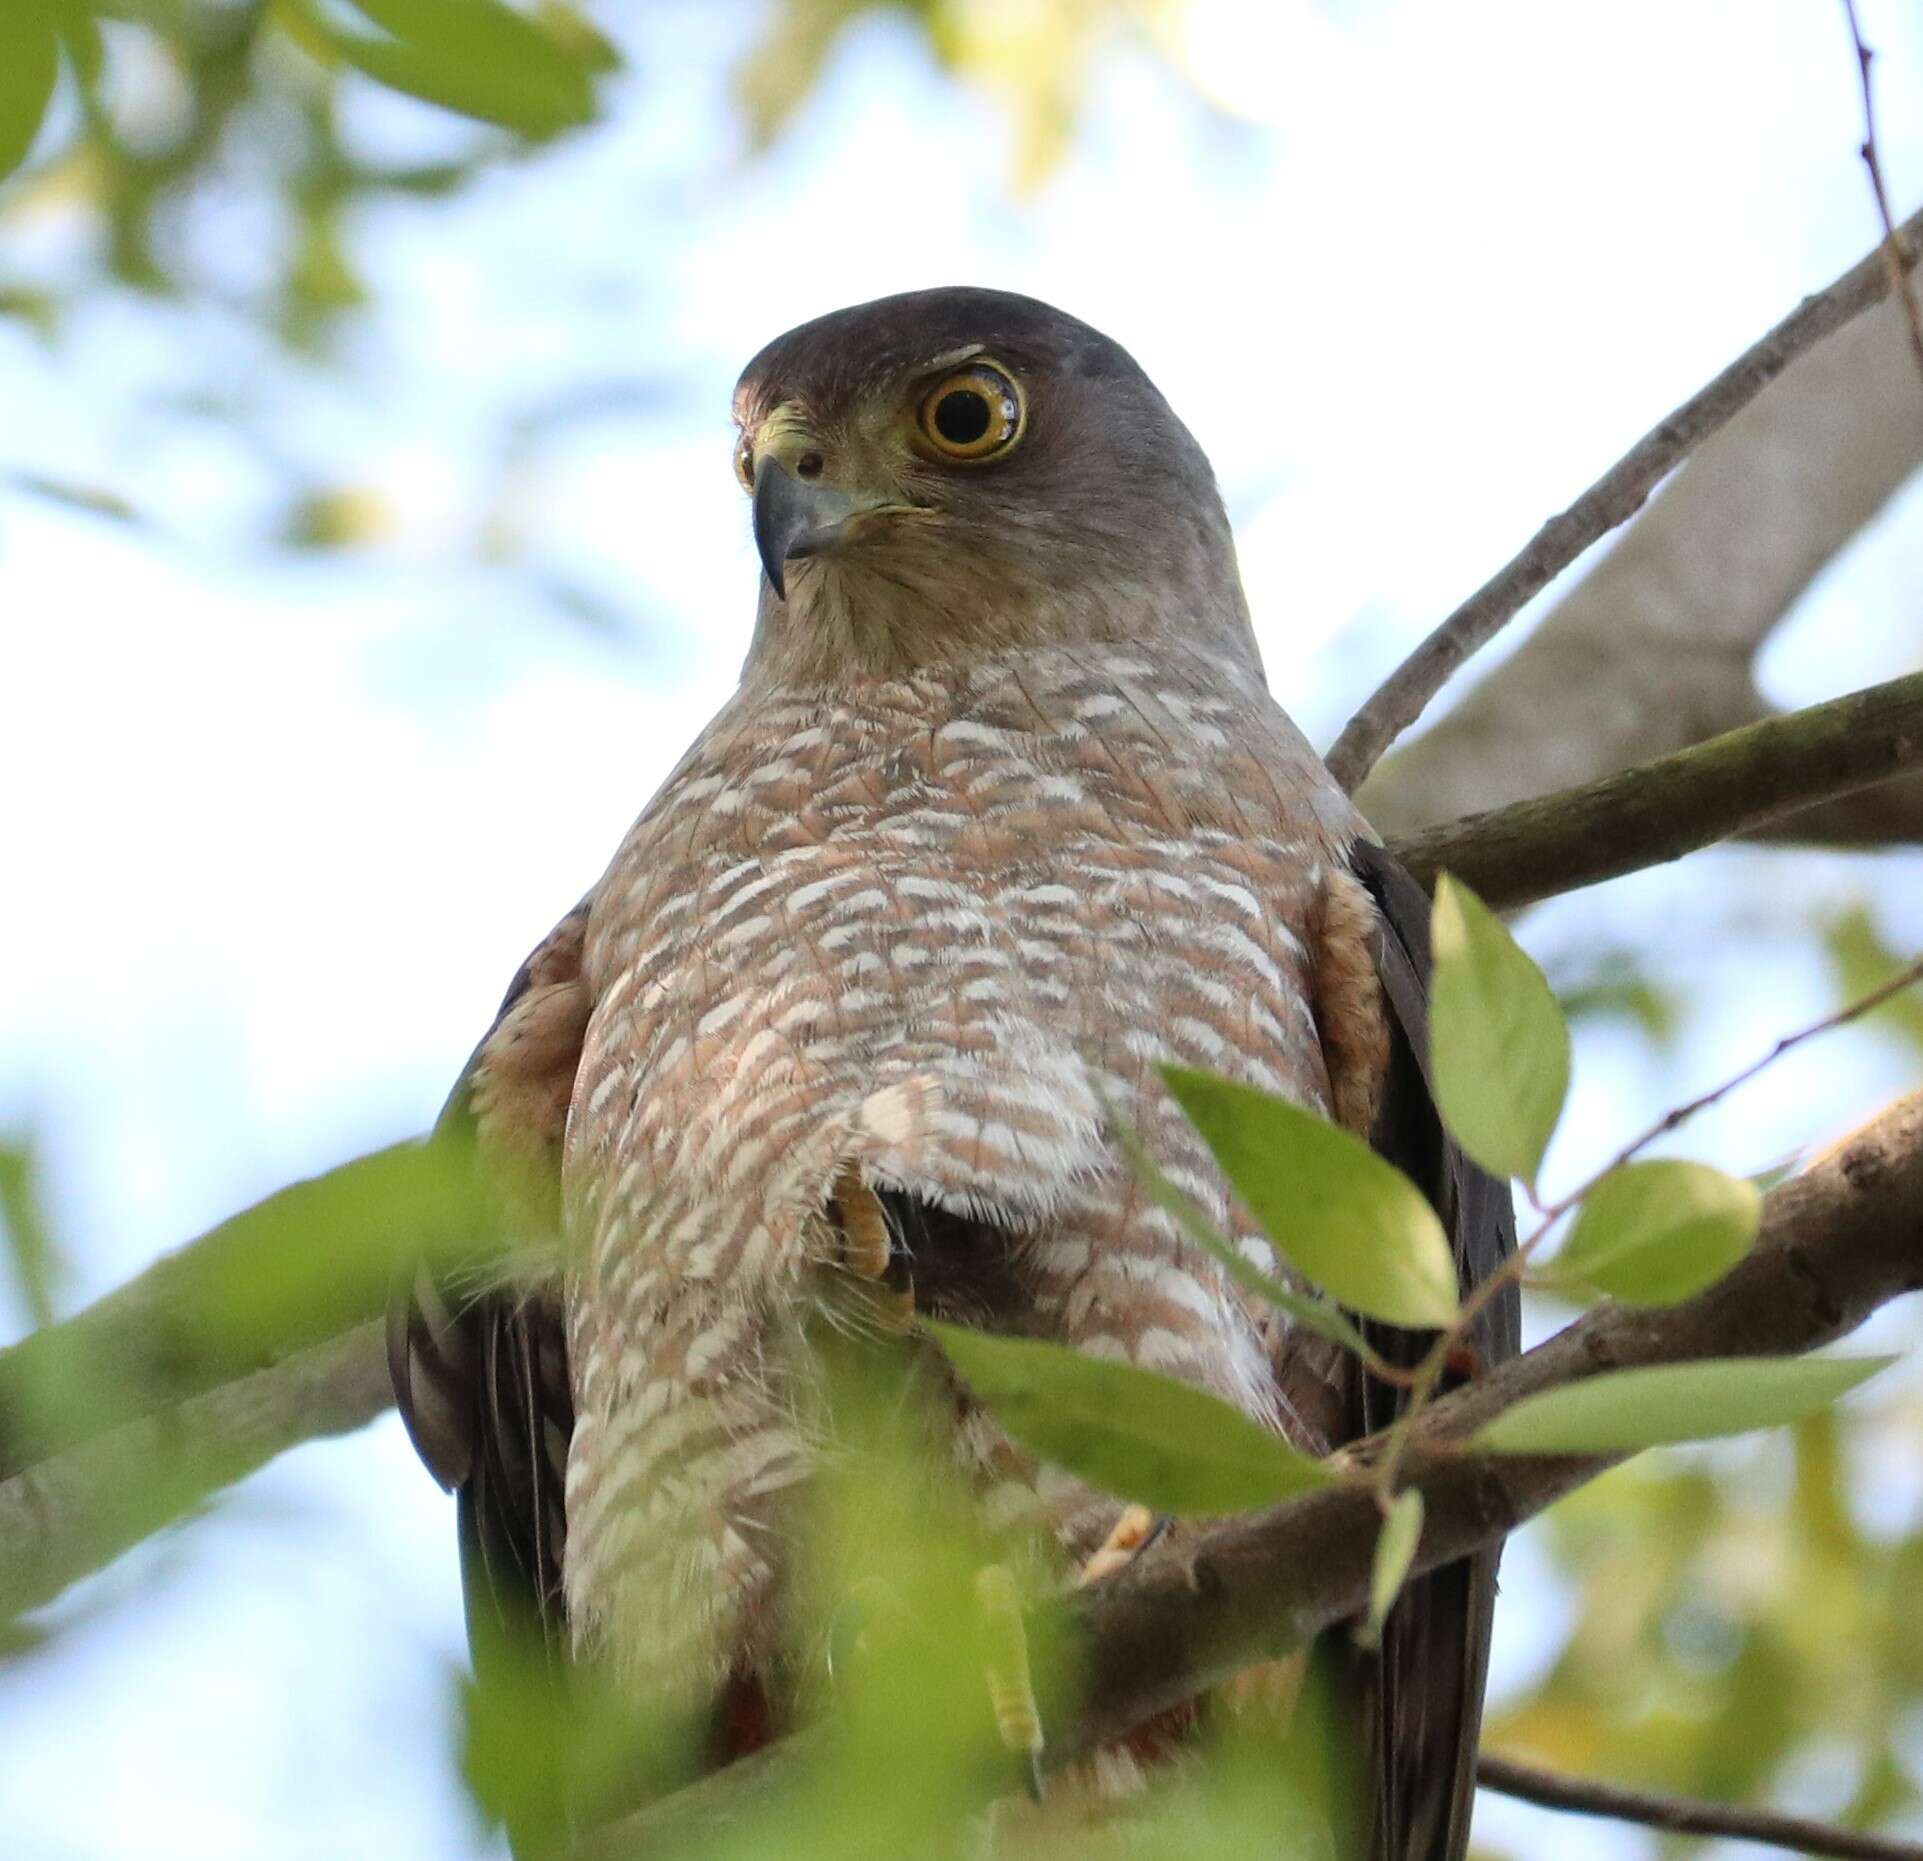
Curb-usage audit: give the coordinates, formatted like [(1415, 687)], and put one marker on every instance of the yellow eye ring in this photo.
[(744, 461), (972, 414)]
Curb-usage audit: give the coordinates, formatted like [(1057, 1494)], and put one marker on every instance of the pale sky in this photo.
[(281, 829)]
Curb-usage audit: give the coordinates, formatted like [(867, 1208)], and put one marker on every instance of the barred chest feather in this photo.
[(920, 929)]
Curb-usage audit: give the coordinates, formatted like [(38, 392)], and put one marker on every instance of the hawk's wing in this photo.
[(1425, 1684), (480, 1372)]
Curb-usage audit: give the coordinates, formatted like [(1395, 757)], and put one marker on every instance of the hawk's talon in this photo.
[(1133, 1533)]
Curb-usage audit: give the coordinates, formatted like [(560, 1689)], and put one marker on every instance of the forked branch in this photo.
[(1611, 500)]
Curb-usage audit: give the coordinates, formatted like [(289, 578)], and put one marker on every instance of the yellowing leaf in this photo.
[(1625, 1410), (1498, 1042), (1128, 1431), (1653, 1233), (1352, 1223)]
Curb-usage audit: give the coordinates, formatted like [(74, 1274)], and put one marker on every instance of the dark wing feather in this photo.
[(1425, 1684), (481, 1376)]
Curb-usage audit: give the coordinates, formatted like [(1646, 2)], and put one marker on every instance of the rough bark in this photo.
[(1844, 753)]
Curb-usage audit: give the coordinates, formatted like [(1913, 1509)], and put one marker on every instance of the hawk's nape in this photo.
[(1001, 819)]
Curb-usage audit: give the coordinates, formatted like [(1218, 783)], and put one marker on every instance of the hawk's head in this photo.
[(950, 471)]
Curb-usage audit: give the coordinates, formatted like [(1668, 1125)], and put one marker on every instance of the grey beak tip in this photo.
[(773, 525)]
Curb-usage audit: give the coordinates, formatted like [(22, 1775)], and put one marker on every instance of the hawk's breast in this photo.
[(926, 928)]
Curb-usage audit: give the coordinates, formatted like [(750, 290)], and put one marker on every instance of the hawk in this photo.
[(1001, 818)]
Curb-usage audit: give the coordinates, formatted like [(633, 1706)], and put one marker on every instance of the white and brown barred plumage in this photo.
[(1001, 817)]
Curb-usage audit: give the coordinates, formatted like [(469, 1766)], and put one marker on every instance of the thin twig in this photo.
[(1897, 260), (1611, 500), (1906, 977), (1517, 1264), (1681, 1815), (1730, 784)]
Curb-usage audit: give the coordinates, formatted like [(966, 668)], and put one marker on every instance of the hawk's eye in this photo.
[(744, 461), (971, 415)]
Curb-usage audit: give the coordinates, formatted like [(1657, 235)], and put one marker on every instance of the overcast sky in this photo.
[(280, 830)]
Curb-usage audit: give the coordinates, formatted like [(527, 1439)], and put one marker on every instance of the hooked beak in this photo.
[(795, 517)]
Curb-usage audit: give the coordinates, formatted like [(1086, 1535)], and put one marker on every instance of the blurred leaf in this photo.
[(1654, 1233), (1310, 1313), (321, 281), (1500, 1045), (93, 500), (37, 1266), (1767, 1178), (79, 32), (1626, 1410), (340, 517), (1864, 962), (1615, 988), (478, 58), (1395, 1551), (38, 310), (784, 66), (1128, 1431), (29, 64), (1346, 1219), (578, 36), (541, 1743), (297, 1269)]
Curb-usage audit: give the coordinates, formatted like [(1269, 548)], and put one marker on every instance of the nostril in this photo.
[(809, 465)]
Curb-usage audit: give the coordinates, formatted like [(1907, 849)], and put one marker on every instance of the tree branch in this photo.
[(68, 1516), (1679, 1815), (1837, 1243), (1731, 784), (1651, 650), (1610, 501), (288, 1274)]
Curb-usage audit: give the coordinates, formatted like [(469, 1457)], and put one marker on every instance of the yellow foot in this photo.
[(1011, 1689), (1135, 1529)]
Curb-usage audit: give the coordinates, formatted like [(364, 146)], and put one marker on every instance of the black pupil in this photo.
[(962, 416)]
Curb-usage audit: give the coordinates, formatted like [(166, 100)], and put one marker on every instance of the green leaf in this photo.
[(1311, 1314), (37, 1266), (1863, 963), (29, 64), (1624, 1410), (79, 32), (1498, 1042), (1395, 1551), (478, 58), (1653, 1233), (1128, 1431), (1349, 1221)]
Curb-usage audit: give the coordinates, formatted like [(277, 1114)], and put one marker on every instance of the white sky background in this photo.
[(278, 830)]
